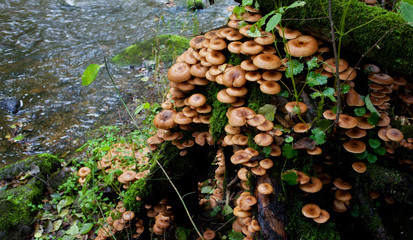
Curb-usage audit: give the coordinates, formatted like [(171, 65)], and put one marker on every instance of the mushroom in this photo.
[(354, 146), (265, 188), (179, 72), (302, 46), (311, 210), (267, 61)]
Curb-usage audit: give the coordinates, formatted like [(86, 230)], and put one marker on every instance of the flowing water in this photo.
[(46, 44)]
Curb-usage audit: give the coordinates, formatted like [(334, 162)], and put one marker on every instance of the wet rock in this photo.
[(11, 105), (15, 213)]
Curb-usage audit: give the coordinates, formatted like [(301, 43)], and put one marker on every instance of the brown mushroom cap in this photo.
[(197, 70), (354, 146), (197, 42), (348, 75), (311, 210), (302, 127), (234, 77), (267, 61), (246, 202), (346, 121), (83, 171), (313, 186), (209, 234), (302, 46), (359, 167), (238, 116), (197, 100), (371, 68), (394, 134), (341, 184), (128, 215), (237, 91), (329, 114), (381, 78), (180, 118), (257, 120), (263, 139), (265, 188), (179, 72), (288, 33), (224, 97), (330, 65), (342, 195), (215, 57), (266, 163), (324, 216), (315, 151), (270, 88), (251, 48), (266, 38), (128, 175), (243, 174), (356, 132), (290, 107), (235, 47), (165, 119), (271, 75)]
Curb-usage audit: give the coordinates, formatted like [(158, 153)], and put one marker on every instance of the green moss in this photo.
[(303, 228), (218, 118), (407, 130), (256, 98), (14, 204), (195, 4), (165, 47), (394, 49)]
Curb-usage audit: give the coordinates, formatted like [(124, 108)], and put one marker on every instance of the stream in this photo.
[(45, 45)]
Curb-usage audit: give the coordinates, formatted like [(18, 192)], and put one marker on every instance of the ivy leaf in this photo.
[(312, 63), (406, 10), (370, 106), (295, 67), (290, 177), (360, 111), (247, 2), (316, 94), (254, 32), (235, 235), (288, 151), (318, 136), (268, 110), (315, 79), (380, 150), (90, 74), (374, 143), (329, 92), (373, 119), (345, 88), (371, 158), (238, 11), (182, 233), (274, 20), (226, 210), (215, 211), (289, 139), (284, 93), (296, 4), (266, 150), (362, 155), (207, 189)]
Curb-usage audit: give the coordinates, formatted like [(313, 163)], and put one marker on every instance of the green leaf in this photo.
[(329, 92), (73, 230), (57, 224), (215, 211), (288, 151), (406, 10), (266, 150), (268, 110), (296, 4), (238, 11), (374, 143), (274, 20), (371, 158), (316, 79), (312, 63), (318, 136), (207, 189), (247, 2), (235, 235), (362, 155), (345, 88), (290, 177), (182, 233), (284, 93), (64, 202), (295, 67), (86, 227), (254, 32), (380, 150), (360, 111), (316, 94), (289, 139), (370, 106), (226, 210), (68, 237), (90, 74), (373, 119)]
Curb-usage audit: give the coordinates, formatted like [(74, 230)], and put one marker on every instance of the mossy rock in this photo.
[(15, 212), (195, 4), (165, 47)]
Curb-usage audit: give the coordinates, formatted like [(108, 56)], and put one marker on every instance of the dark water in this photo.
[(44, 47)]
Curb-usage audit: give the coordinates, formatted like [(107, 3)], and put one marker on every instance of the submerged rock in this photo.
[(11, 105), (166, 47)]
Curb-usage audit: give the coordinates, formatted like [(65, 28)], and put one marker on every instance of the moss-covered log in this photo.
[(364, 25)]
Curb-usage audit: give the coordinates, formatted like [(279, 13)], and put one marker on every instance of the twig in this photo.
[(333, 40)]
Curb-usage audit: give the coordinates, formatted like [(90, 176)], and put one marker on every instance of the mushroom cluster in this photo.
[(163, 215)]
